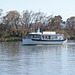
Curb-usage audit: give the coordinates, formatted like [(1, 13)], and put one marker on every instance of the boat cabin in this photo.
[(45, 36)]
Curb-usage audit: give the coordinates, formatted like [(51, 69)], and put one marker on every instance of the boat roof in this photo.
[(39, 33), (35, 33), (44, 33), (49, 32)]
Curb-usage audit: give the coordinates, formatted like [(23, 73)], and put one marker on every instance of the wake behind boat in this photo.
[(45, 38)]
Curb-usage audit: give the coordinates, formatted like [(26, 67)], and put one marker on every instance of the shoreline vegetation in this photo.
[(14, 26), (10, 39)]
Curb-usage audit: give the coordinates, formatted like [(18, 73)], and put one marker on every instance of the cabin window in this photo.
[(46, 37), (55, 37), (31, 36), (49, 37), (60, 37), (34, 36), (42, 37)]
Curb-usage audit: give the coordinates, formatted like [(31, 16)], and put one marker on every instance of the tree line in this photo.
[(14, 24)]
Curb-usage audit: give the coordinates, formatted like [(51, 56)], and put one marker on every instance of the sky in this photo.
[(65, 8)]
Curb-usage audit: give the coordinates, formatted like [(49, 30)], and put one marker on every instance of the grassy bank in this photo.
[(6, 39)]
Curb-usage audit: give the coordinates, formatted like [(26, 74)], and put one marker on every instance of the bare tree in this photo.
[(12, 18), (70, 25), (54, 23)]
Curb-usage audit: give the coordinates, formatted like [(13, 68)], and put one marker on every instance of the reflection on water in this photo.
[(16, 59)]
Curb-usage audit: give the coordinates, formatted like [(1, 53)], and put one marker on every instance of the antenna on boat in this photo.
[(38, 30)]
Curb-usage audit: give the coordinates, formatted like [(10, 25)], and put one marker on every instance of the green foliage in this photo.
[(13, 39), (71, 38)]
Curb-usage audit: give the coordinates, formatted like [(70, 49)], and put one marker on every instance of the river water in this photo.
[(16, 59)]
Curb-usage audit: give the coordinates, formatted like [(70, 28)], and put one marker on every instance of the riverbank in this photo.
[(6, 39)]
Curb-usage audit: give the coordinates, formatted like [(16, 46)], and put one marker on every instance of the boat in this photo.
[(44, 38)]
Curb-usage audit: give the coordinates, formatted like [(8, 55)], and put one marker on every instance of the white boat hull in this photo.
[(43, 42)]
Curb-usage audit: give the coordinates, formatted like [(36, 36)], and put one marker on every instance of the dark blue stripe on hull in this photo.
[(38, 44), (48, 40)]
